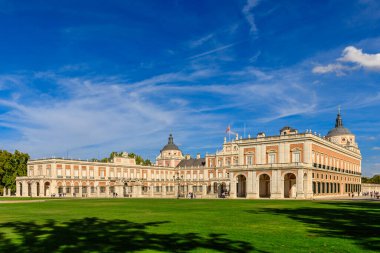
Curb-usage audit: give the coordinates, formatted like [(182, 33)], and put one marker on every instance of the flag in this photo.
[(228, 129)]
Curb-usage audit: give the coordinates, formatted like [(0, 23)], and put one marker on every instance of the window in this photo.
[(296, 157), (272, 157), (211, 175), (84, 172), (92, 173), (249, 160), (102, 189)]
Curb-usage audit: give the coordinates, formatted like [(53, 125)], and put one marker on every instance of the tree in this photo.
[(12, 166)]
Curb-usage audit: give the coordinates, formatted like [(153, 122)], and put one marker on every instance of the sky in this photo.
[(81, 79)]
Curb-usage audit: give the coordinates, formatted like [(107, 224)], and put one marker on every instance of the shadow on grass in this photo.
[(97, 235), (357, 221)]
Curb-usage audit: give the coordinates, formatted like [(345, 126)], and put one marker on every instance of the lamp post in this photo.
[(177, 178)]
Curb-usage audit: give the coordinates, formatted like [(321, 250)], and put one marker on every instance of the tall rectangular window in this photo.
[(296, 157), (272, 157), (249, 160)]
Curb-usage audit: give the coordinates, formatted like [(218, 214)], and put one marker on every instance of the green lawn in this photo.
[(123, 225)]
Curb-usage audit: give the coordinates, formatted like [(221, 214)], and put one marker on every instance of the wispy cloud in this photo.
[(337, 68), (247, 12), (214, 50), (99, 114), (199, 42)]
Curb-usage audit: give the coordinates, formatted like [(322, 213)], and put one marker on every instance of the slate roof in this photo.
[(192, 162)]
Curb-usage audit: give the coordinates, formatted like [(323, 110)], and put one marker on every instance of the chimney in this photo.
[(198, 156), (187, 157)]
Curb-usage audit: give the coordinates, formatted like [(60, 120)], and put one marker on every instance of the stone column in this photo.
[(255, 185), (80, 191), (42, 188), (309, 190), (151, 192), (276, 183), (204, 190), (34, 189), (299, 182), (163, 190), (233, 186), (97, 191), (17, 189), (249, 186)]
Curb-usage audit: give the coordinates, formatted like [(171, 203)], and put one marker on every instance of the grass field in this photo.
[(170, 225)]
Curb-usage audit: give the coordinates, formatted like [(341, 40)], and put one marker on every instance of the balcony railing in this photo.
[(269, 166)]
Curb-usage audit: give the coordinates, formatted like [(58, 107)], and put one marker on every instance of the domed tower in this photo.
[(341, 135), (170, 155)]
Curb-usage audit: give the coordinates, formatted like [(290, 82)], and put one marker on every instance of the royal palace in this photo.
[(289, 165)]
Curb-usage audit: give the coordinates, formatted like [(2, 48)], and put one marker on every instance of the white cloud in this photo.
[(376, 148), (247, 11), (355, 58), (354, 55)]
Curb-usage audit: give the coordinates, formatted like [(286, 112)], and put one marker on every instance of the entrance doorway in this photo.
[(264, 186), (241, 186), (290, 186)]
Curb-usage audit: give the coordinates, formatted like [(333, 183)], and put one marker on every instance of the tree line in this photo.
[(373, 180), (139, 159), (12, 166)]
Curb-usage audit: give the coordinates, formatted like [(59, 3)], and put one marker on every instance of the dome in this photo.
[(170, 145), (338, 131), (339, 128)]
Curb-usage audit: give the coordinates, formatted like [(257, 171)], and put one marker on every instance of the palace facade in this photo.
[(288, 165)]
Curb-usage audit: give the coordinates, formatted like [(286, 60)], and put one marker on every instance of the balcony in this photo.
[(269, 166)]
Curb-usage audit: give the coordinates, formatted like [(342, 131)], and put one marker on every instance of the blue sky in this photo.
[(85, 78)]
